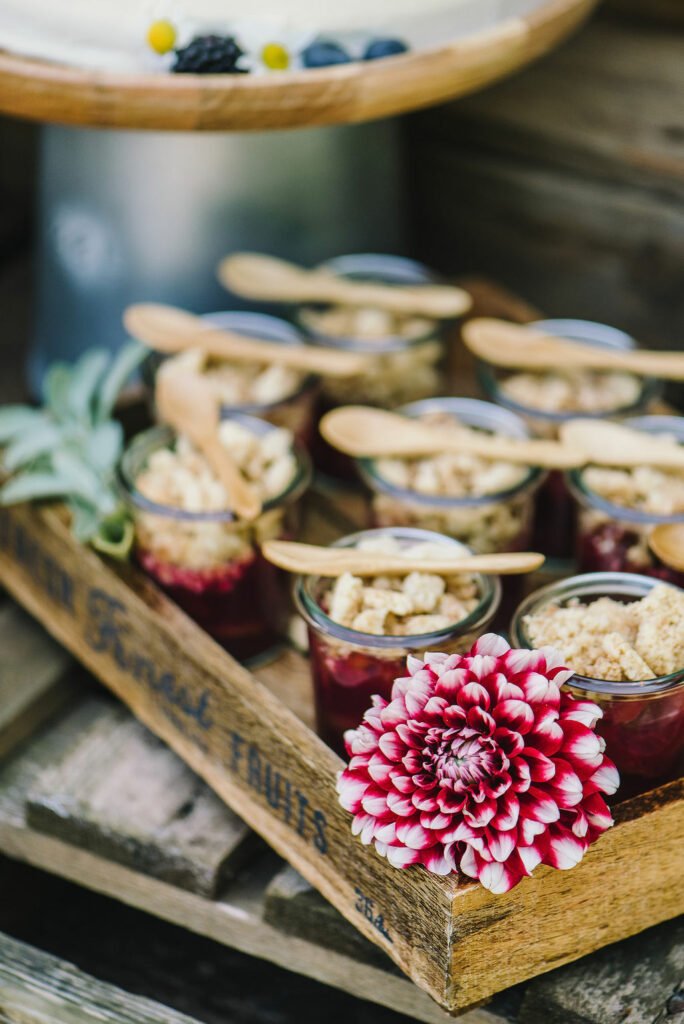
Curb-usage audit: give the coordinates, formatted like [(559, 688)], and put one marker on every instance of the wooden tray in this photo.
[(350, 93), (454, 939)]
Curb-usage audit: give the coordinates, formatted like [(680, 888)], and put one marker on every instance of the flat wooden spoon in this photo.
[(187, 405), (309, 559), (364, 432), (514, 346), (610, 444), (667, 543), (264, 277), (171, 330)]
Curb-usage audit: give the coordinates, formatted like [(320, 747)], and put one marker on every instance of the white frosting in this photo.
[(109, 35)]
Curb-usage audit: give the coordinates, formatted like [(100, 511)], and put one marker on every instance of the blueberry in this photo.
[(323, 54), (384, 48)]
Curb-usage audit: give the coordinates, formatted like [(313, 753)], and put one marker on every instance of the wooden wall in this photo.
[(566, 182)]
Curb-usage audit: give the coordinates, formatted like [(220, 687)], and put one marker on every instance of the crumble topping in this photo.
[(239, 383), (610, 640), (645, 488), (401, 605), (365, 323), (576, 391)]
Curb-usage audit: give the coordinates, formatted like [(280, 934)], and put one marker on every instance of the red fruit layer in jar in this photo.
[(554, 520), (234, 603), (345, 680), (607, 549), (645, 739)]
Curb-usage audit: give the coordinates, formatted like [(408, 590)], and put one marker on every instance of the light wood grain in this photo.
[(346, 93), (36, 988), (122, 794), (34, 681), (457, 942)]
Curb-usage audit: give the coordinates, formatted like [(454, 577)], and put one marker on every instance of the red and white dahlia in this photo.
[(480, 762)]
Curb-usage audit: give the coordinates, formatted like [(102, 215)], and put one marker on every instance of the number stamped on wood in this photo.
[(366, 906)]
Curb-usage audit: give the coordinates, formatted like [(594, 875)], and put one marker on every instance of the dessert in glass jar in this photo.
[(361, 630), (623, 634), (278, 394), (204, 557), (550, 398), (618, 508), (408, 350)]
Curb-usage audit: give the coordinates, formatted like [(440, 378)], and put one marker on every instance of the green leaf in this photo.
[(56, 389), (104, 445), (126, 361), (86, 376), (40, 439), (85, 520), (83, 480), (15, 418), (115, 537), (32, 487)]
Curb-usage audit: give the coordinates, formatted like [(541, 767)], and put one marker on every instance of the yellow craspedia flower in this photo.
[(275, 57), (161, 36)]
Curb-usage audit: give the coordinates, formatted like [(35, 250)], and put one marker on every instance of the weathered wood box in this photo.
[(247, 739)]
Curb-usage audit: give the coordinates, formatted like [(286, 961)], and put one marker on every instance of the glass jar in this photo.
[(613, 537), (555, 524), (643, 723), (349, 667), (501, 521), (407, 366), (210, 563), (294, 411)]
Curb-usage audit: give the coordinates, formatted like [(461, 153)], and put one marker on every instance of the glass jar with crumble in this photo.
[(361, 630), (486, 504), (408, 350), (548, 399), (624, 635), (619, 508), (278, 394), (204, 557)]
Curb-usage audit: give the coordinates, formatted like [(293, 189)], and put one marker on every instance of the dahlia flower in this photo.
[(480, 763)]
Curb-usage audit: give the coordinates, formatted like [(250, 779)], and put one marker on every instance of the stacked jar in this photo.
[(361, 631), (547, 400), (619, 508), (202, 555)]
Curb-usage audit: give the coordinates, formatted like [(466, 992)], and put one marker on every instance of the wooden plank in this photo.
[(295, 908), (236, 919), (36, 988), (122, 794), (33, 676), (574, 178), (635, 983)]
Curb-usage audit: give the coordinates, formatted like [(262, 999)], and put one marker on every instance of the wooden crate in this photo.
[(244, 737)]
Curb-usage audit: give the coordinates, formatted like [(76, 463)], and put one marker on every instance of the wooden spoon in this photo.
[(667, 543), (361, 431), (264, 277), (310, 559), (187, 405), (171, 330), (610, 444), (514, 346)]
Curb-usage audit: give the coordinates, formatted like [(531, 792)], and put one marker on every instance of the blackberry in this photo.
[(208, 55)]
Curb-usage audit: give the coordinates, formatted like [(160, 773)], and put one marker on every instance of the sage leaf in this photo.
[(56, 389), (32, 487), (85, 520), (34, 441), (15, 418), (86, 375), (125, 362), (104, 445)]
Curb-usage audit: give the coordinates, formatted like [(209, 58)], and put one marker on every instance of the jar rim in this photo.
[(611, 337), (588, 497), (466, 409), (312, 613), (596, 585), (154, 438), (383, 267)]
